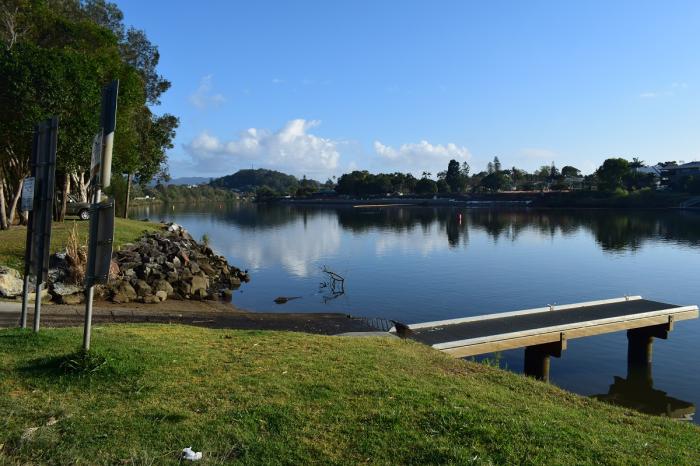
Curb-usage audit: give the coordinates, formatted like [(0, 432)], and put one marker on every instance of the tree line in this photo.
[(614, 175), (55, 57)]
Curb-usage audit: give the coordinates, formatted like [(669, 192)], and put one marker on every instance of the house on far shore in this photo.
[(672, 174)]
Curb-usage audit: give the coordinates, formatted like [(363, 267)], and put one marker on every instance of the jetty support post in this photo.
[(537, 357), (640, 342)]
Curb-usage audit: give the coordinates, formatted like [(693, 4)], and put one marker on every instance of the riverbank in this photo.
[(278, 397), (209, 314), (643, 199)]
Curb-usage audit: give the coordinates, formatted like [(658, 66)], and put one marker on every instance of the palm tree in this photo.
[(636, 163)]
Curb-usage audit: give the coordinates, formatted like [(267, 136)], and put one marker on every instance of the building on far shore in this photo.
[(672, 174)]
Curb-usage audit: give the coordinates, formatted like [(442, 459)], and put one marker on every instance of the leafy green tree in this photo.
[(612, 173), (454, 178), (569, 171), (426, 186), (443, 187), (495, 181), (67, 52), (496, 164), (265, 193)]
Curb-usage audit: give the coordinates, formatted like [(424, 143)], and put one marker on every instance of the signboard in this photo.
[(96, 160), (28, 194), (44, 174), (102, 227), (108, 120), (37, 198)]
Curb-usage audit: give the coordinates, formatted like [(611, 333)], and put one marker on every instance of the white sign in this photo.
[(28, 194), (96, 161)]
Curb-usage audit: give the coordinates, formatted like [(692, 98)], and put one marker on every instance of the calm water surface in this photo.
[(417, 264)]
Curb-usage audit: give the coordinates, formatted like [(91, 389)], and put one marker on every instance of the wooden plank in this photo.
[(567, 327), (541, 336), (499, 315)]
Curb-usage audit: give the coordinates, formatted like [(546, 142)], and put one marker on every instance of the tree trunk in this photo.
[(13, 204), (81, 185), (128, 194), (64, 197), (3, 213)]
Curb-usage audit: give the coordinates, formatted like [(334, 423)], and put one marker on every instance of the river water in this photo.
[(416, 264)]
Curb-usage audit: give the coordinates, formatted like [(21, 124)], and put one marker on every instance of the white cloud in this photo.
[(291, 149), (422, 156), (670, 91), (539, 153), (203, 96), (291, 247)]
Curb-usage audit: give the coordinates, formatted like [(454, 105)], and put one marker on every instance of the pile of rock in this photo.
[(163, 265), (171, 264)]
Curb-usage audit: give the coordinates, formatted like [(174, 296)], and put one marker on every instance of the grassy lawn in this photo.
[(272, 398), (12, 241)]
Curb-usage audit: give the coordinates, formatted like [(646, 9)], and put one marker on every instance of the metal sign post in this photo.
[(37, 198), (101, 230)]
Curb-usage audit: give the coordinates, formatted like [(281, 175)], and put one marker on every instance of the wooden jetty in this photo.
[(544, 332)]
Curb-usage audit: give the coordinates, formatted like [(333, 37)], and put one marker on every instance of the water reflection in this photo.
[(613, 231), (637, 392)]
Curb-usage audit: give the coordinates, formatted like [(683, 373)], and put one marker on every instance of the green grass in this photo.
[(290, 398), (12, 241)]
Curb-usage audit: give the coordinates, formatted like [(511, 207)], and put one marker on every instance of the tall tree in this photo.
[(454, 178), (65, 52)]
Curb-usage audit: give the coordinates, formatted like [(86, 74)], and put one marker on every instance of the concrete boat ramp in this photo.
[(544, 332)]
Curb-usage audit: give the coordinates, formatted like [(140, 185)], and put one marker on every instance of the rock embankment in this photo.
[(171, 265), (168, 264)]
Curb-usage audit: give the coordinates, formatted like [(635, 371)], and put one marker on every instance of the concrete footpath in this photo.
[(199, 313)]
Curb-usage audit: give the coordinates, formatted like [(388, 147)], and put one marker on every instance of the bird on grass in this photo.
[(402, 330)]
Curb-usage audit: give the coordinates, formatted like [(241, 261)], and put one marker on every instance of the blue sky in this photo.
[(323, 87)]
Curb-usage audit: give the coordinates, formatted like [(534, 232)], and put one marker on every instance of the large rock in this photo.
[(124, 293), (10, 282), (77, 298), (199, 286), (45, 298), (142, 288), (65, 289), (162, 285)]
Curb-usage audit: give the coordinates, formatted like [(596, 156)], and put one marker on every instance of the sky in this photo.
[(320, 88)]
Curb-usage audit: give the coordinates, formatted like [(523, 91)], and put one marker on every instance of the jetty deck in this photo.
[(545, 331)]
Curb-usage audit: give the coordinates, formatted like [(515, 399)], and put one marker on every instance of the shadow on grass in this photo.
[(81, 365)]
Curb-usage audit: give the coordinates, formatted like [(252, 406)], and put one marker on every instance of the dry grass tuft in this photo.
[(76, 255)]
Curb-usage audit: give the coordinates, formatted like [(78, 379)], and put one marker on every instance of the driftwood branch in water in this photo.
[(336, 284)]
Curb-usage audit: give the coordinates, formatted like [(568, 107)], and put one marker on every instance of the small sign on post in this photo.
[(98, 263), (96, 160), (28, 194)]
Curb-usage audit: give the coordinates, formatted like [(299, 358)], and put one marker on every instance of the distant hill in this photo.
[(188, 180), (250, 180)]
